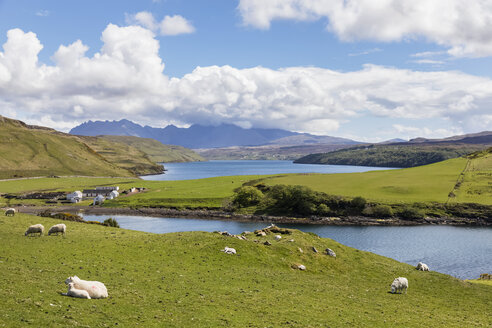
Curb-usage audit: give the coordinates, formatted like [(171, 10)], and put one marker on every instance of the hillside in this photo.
[(183, 280), (123, 155), (27, 151), (158, 152), (200, 136), (393, 155)]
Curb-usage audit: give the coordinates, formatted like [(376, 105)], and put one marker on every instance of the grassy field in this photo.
[(183, 280), (430, 183)]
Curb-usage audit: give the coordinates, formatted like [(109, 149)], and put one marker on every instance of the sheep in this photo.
[(95, 289), (278, 237), (57, 228), (422, 267), (37, 228), (228, 250), (399, 284), (74, 292), (10, 212), (330, 252)]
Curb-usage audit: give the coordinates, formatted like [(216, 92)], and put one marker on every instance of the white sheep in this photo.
[(330, 252), (228, 250), (10, 212), (422, 267), (278, 237), (399, 284), (95, 289), (36, 228), (74, 292), (57, 228)]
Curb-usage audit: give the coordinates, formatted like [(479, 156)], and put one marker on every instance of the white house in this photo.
[(108, 188), (98, 200), (75, 196), (113, 194)]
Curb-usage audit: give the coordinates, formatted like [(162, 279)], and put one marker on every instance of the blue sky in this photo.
[(365, 71)]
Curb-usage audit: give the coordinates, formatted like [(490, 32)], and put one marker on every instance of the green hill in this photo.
[(158, 152), (125, 156), (27, 151), (394, 155), (183, 280)]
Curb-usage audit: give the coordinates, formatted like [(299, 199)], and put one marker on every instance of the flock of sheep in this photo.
[(399, 285), (94, 289)]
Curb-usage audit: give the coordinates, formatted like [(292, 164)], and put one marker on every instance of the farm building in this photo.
[(75, 196), (108, 188), (98, 200), (113, 194)]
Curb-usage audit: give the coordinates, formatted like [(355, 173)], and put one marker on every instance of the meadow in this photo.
[(183, 280)]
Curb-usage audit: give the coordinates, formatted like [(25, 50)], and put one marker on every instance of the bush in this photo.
[(111, 223), (68, 217), (323, 209), (383, 211), (247, 196), (358, 203), (411, 213)]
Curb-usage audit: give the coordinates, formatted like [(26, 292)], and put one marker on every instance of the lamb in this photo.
[(95, 289), (37, 228), (74, 292), (399, 284), (422, 267), (57, 228), (10, 212), (228, 250)]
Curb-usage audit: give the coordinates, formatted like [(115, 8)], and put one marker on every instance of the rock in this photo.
[(300, 250), (260, 233), (278, 237), (225, 233), (330, 252), (314, 249), (291, 240), (267, 243)]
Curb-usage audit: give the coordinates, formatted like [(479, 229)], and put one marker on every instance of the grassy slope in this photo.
[(476, 186), (183, 280), (157, 151), (123, 155), (28, 152), (419, 184)]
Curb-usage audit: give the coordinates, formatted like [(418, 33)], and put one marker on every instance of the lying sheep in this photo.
[(330, 252), (10, 212), (399, 284), (228, 250), (74, 292), (37, 228), (57, 228), (422, 267), (95, 289)]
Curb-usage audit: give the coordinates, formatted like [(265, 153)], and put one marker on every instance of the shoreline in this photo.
[(221, 215)]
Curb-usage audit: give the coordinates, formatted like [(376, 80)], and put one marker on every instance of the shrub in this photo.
[(411, 213), (358, 203), (247, 196), (111, 223), (323, 209), (383, 211), (68, 217)]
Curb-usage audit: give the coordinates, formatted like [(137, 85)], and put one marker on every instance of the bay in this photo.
[(201, 170)]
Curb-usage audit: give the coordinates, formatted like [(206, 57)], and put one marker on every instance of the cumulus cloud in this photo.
[(463, 26), (126, 79), (168, 26)]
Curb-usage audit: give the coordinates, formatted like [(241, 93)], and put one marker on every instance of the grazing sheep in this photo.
[(278, 237), (330, 252), (10, 212), (95, 289), (422, 267), (399, 284), (57, 228), (37, 228), (228, 250), (74, 292)]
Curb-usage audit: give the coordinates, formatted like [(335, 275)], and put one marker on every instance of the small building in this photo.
[(95, 192), (108, 188), (75, 196), (113, 194), (98, 200)]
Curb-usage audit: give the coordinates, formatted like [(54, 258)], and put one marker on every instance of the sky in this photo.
[(367, 70)]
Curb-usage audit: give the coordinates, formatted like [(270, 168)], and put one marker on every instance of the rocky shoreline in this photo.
[(221, 215)]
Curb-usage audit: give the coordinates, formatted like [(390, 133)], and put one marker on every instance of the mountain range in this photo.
[(199, 136)]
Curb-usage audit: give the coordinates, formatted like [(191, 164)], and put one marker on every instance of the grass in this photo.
[(480, 281), (430, 183), (183, 280)]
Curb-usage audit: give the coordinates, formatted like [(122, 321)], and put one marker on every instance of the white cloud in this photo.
[(169, 26), (425, 132), (463, 26), (125, 79), (365, 52), (43, 13), (429, 62)]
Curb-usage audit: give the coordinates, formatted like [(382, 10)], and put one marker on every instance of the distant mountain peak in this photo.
[(202, 136)]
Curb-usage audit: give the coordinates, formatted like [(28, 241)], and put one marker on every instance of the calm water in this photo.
[(462, 252), (200, 170)]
